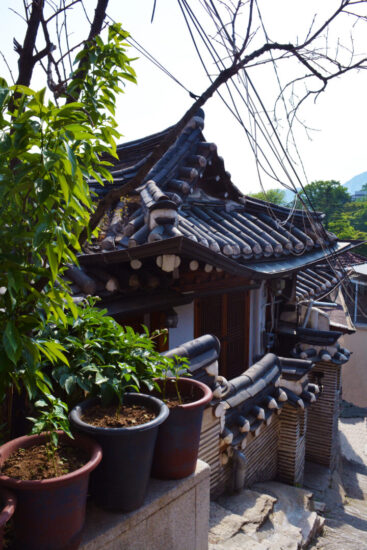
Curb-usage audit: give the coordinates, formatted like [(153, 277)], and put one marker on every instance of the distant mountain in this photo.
[(356, 183)]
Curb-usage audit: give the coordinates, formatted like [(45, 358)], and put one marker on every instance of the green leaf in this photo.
[(11, 342), (69, 384), (78, 131), (41, 403), (56, 350), (71, 158), (64, 187), (23, 90), (4, 92), (52, 260)]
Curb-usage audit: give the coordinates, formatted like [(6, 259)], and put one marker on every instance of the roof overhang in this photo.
[(145, 301), (187, 248)]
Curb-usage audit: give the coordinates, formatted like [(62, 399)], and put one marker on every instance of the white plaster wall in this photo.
[(257, 322), (354, 373), (185, 326)]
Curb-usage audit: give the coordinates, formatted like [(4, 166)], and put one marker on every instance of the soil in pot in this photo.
[(50, 512), (40, 462), (120, 481), (118, 417)]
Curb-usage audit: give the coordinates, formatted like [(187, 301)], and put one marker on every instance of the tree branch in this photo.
[(26, 59), (95, 29), (114, 195)]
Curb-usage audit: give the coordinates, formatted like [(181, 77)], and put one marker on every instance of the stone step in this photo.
[(271, 516), (293, 513), (246, 511)]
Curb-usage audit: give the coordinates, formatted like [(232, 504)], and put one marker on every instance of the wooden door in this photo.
[(227, 316)]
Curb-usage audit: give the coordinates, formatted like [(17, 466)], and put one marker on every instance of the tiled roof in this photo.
[(318, 281), (189, 194), (247, 402), (349, 259)]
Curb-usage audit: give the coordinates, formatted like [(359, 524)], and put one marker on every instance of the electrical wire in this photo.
[(255, 115), (320, 237)]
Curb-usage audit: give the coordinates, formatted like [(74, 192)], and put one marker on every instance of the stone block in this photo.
[(174, 525), (174, 516), (202, 514), (223, 524)]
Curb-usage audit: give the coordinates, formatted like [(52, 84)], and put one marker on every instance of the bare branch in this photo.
[(19, 15), (63, 9), (8, 67)]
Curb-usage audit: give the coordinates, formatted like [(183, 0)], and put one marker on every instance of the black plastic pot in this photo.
[(177, 446), (120, 481), (50, 513)]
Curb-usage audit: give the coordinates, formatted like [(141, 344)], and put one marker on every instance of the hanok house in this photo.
[(189, 252)]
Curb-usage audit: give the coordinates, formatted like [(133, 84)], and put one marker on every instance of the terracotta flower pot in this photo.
[(177, 446), (121, 480), (7, 508), (50, 513)]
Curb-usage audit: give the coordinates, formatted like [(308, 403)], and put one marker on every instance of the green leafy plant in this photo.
[(178, 367), (52, 416), (48, 152), (104, 359)]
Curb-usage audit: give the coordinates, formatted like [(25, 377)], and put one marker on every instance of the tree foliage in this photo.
[(326, 196), (347, 219), (47, 154), (275, 196), (351, 223)]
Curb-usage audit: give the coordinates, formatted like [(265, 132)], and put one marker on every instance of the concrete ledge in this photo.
[(175, 515)]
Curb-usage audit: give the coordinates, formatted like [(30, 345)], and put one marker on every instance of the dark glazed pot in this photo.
[(177, 446), (50, 513), (8, 503), (121, 480)]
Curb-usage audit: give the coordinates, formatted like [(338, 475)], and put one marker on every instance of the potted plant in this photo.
[(48, 472), (7, 508), (113, 365), (120, 482), (177, 445)]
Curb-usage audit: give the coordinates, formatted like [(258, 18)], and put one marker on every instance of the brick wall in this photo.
[(292, 443), (322, 427)]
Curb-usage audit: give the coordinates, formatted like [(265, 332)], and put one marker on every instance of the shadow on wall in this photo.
[(354, 373), (353, 445)]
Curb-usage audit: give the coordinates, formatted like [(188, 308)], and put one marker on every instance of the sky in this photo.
[(335, 149)]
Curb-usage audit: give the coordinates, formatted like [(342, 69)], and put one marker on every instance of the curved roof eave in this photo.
[(187, 248)]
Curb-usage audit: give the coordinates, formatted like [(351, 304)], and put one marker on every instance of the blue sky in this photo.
[(337, 149)]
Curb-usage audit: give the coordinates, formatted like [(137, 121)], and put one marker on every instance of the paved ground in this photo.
[(346, 525)]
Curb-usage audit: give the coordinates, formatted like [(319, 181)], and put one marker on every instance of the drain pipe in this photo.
[(240, 469)]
